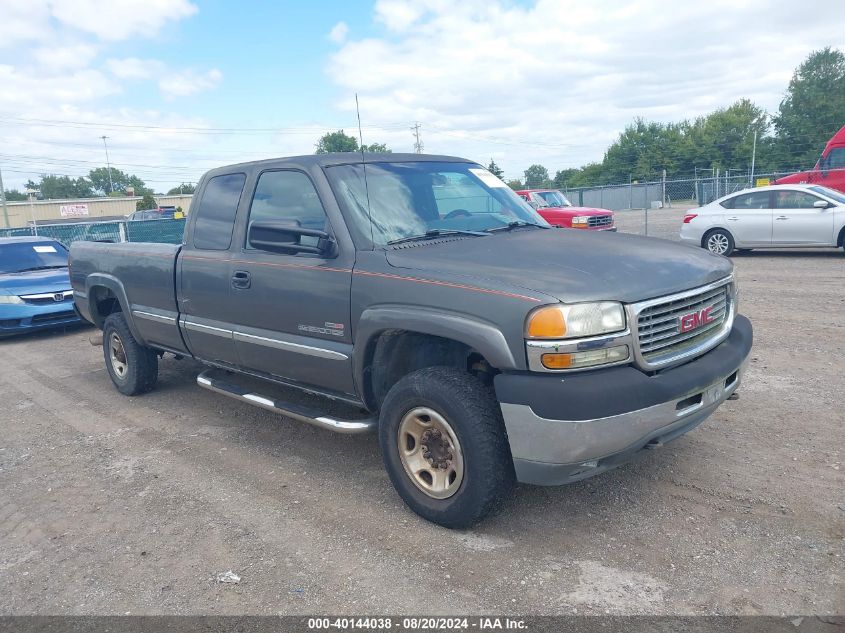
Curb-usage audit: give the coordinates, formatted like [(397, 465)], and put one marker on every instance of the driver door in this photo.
[(797, 222)]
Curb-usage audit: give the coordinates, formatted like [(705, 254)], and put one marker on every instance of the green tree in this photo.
[(184, 188), (117, 183), (54, 187), (340, 141), (13, 195), (537, 177), (146, 202), (336, 142), (563, 177), (377, 148), (515, 184), (494, 169), (813, 108)]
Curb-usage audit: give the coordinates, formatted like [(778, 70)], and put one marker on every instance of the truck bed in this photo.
[(141, 276)]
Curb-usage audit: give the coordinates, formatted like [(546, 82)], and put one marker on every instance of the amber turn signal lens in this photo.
[(547, 323), (556, 361)]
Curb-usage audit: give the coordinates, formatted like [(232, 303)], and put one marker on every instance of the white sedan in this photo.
[(777, 216)]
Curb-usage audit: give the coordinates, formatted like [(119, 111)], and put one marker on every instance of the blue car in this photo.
[(35, 290)]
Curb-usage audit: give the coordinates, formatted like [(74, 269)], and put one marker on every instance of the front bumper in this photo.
[(612, 414), (19, 319)]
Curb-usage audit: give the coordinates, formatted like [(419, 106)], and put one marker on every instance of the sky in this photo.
[(180, 86)]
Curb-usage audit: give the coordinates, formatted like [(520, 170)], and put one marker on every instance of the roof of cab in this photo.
[(343, 158), (26, 239)]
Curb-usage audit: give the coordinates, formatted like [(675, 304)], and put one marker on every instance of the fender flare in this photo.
[(112, 283), (480, 335)]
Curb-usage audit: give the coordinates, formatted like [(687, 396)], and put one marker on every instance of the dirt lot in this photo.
[(113, 505)]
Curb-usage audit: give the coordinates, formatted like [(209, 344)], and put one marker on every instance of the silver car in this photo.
[(777, 216)]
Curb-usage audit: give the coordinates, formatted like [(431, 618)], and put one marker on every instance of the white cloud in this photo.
[(134, 68), (120, 19), (556, 82), (65, 57), (339, 32), (188, 82)]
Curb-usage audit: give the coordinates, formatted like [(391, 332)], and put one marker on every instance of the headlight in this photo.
[(580, 220), (10, 299), (575, 320)]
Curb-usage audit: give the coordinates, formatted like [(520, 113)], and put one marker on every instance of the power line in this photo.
[(418, 144)]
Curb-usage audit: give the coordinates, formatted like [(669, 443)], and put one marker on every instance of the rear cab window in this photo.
[(216, 212)]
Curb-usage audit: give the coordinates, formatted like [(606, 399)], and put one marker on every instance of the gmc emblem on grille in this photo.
[(696, 319)]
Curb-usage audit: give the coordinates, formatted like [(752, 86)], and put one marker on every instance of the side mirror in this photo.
[(822, 204), (285, 237)]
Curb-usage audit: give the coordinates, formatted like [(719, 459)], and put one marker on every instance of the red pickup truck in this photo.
[(829, 170), (557, 210)]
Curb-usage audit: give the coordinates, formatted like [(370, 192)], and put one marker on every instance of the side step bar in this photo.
[(298, 412)]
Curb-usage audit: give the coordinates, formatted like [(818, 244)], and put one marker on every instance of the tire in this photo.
[(132, 367), (474, 442), (719, 241)]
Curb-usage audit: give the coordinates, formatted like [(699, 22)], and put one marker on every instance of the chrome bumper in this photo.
[(552, 452)]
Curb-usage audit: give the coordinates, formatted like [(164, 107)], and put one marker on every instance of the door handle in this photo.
[(241, 279), (782, 217), (733, 217)]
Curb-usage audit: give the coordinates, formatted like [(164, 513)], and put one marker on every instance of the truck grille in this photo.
[(600, 220), (671, 329)]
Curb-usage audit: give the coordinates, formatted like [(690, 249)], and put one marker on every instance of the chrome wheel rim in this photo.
[(430, 453), (718, 243), (117, 355)]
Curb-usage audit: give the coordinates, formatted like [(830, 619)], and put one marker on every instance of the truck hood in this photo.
[(575, 211), (568, 265), (34, 282)]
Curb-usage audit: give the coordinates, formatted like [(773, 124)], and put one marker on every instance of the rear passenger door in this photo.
[(204, 272), (749, 218), (292, 317), (798, 222)]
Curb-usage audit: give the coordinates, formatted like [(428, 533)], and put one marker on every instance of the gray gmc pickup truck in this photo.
[(424, 296)]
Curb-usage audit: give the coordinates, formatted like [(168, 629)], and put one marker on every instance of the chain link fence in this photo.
[(162, 231), (699, 190)]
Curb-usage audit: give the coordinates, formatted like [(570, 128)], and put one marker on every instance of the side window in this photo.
[(794, 200), (757, 200), (289, 196), (836, 158), (216, 212)]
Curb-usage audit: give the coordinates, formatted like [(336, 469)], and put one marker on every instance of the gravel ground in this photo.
[(113, 505)]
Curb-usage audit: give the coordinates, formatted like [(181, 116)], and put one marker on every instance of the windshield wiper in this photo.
[(432, 233), (515, 225), (26, 270)]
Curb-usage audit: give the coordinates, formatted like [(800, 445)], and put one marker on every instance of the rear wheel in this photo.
[(719, 241), (132, 367), (444, 445)]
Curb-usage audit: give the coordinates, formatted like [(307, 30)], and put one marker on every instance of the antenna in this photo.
[(364, 167)]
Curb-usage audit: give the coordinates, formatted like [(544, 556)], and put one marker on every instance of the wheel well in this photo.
[(708, 232), (396, 353), (840, 241), (103, 303)]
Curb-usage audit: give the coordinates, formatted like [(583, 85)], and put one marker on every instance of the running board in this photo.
[(298, 412)]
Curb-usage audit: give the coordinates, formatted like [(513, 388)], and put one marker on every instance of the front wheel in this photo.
[(444, 446), (720, 242), (132, 367)]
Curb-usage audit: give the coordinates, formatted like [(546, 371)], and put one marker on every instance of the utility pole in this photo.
[(108, 164), (3, 200), (31, 193), (753, 158), (418, 144)]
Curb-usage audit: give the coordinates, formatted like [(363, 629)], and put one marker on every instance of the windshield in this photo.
[(554, 198), (418, 198), (830, 193), (17, 257)]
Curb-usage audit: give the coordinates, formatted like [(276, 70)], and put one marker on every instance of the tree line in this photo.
[(812, 110)]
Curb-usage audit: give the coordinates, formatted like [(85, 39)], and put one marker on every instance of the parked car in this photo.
[(159, 213), (829, 170), (777, 216), (557, 210), (35, 290), (483, 346)]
